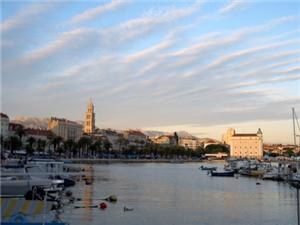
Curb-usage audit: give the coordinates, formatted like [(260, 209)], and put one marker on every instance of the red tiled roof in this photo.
[(14, 126), (166, 135), (135, 132), (3, 115), (39, 132), (64, 120)]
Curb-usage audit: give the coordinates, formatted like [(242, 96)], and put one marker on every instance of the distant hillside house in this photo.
[(135, 137), (110, 135), (191, 143), (4, 125), (244, 145), (65, 128), (164, 140)]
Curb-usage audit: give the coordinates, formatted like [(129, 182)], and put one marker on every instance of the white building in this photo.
[(243, 145), (188, 143), (135, 138), (4, 125), (164, 140), (65, 128), (134, 135), (89, 124)]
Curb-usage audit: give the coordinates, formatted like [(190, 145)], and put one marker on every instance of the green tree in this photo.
[(122, 142), (50, 138), (41, 145), (96, 147), (56, 142), (2, 142), (20, 132), (289, 152), (31, 141), (107, 145), (13, 143), (176, 138), (199, 151), (68, 146), (215, 148), (84, 144)]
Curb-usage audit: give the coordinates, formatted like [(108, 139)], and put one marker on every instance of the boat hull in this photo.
[(222, 174)]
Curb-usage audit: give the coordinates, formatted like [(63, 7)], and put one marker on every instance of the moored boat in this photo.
[(21, 184), (208, 168), (222, 173)]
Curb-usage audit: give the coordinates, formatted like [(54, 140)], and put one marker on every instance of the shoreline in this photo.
[(108, 161)]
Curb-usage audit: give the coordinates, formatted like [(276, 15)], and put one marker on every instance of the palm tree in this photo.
[(13, 143), (122, 142), (50, 137), (2, 142), (56, 141), (84, 144), (41, 145), (96, 147), (20, 132), (68, 146), (30, 141), (106, 144), (176, 138)]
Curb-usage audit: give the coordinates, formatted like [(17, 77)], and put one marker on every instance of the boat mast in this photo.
[(294, 128)]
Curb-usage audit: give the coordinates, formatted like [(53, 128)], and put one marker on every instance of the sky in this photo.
[(198, 66)]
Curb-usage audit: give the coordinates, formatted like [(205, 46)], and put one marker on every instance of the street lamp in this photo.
[(296, 184)]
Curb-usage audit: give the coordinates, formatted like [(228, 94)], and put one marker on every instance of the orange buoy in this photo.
[(102, 205)]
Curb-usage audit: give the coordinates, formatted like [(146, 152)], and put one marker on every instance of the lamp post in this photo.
[(297, 186)]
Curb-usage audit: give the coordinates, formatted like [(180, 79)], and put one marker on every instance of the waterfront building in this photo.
[(135, 138), (37, 133), (65, 128), (89, 124), (191, 143), (164, 140), (244, 145), (134, 135), (4, 125), (111, 135)]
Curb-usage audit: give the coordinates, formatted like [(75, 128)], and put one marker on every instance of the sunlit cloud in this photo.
[(154, 67), (97, 11)]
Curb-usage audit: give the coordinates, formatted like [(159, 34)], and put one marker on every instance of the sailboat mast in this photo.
[(294, 128)]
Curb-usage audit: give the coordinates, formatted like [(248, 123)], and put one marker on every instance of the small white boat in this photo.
[(21, 184)]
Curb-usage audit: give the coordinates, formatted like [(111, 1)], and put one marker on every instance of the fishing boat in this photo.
[(222, 173), (208, 168)]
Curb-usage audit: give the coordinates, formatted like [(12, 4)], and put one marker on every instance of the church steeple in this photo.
[(89, 125)]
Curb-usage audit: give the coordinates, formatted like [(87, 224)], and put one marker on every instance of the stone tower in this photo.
[(89, 124)]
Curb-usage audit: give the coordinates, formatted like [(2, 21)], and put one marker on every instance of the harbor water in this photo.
[(177, 194)]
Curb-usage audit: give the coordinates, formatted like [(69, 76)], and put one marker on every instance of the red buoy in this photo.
[(103, 205)]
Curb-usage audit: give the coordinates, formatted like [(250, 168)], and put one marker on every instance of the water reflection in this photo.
[(88, 194), (181, 194)]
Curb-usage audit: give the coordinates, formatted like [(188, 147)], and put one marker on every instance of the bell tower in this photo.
[(89, 124)]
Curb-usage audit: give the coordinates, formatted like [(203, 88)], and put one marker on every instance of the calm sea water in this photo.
[(180, 194)]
